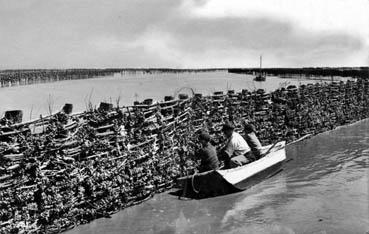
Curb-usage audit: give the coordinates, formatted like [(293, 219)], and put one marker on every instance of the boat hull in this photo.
[(260, 78), (221, 182)]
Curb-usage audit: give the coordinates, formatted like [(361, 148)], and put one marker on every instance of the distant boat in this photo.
[(260, 76)]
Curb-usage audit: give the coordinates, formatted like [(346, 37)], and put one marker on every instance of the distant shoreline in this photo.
[(9, 78)]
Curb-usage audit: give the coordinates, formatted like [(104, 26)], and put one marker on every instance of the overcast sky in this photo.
[(183, 33)]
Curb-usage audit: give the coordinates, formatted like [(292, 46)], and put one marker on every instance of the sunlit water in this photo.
[(324, 189), (41, 98)]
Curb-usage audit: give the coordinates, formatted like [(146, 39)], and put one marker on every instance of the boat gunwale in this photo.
[(221, 171)]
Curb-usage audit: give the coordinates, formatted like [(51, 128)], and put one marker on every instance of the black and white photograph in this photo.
[(184, 116)]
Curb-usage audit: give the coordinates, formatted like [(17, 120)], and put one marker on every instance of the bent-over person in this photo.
[(252, 140), (207, 154)]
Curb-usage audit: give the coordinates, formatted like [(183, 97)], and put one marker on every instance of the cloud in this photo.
[(326, 15), (169, 33), (78, 33), (239, 42)]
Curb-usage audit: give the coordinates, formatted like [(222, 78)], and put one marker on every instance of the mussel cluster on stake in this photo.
[(63, 170)]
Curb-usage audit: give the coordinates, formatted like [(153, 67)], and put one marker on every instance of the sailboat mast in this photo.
[(261, 60), (259, 76)]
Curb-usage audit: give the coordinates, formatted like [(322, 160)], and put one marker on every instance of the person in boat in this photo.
[(236, 151), (252, 140), (207, 153)]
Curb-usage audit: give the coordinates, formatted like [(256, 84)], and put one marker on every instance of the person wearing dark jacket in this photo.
[(207, 154)]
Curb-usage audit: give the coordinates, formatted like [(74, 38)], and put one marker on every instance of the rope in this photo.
[(193, 183)]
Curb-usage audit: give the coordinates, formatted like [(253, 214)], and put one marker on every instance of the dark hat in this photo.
[(249, 127), (227, 126), (203, 135)]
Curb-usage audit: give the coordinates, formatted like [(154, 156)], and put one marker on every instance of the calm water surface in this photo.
[(36, 99), (324, 189)]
